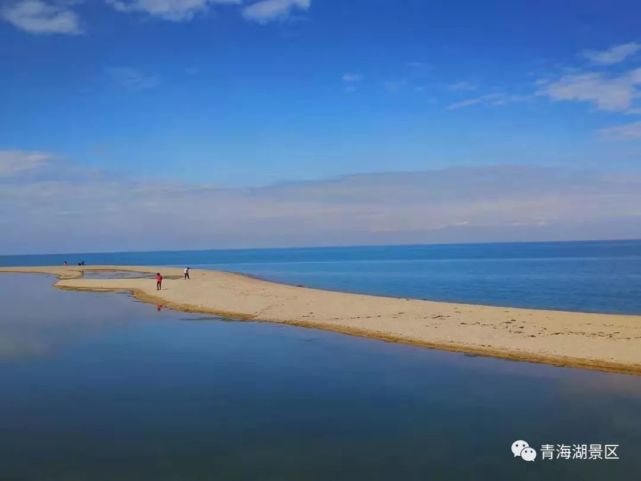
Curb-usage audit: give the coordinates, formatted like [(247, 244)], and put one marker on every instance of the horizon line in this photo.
[(347, 246)]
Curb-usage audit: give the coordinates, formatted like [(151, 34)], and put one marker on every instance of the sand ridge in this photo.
[(596, 341)]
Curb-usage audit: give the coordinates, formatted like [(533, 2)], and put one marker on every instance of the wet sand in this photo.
[(597, 341)]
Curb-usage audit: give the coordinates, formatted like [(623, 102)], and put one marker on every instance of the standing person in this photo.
[(158, 281), (186, 273)]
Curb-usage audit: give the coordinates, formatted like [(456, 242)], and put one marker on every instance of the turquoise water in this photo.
[(99, 387), (577, 276)]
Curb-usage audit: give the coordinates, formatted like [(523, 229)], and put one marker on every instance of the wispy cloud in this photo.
[(132, 79), (495, 99), (444, 205), (14, 162), (609, 93), (266, 11), (612, 55), (462, 86), (605, 91), (172, 10), (461, 104), (630, 131), (39, 17), (58, 16)]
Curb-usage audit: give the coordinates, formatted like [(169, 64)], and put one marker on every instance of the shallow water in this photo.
[(101, 387), (600, 276)]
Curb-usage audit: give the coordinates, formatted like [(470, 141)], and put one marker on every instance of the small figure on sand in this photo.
[(186, 273), (158, 281)]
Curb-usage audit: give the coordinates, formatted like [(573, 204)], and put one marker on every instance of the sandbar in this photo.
[(609, 342)]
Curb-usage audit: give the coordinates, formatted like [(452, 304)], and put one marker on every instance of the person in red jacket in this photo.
[(158, 281)]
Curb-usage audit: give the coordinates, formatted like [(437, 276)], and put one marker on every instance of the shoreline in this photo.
[(389, 296), (607, 342)]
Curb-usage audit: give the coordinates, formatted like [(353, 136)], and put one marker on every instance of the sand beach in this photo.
[(596, 341)]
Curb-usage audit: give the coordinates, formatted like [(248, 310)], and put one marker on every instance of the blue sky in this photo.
[(247, 95)]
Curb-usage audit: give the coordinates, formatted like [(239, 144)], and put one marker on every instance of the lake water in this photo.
[(575, 276), (99, 387)]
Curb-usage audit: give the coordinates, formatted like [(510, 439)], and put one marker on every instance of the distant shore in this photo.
[(607, 342)]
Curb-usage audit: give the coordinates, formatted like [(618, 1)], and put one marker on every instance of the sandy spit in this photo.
[(595, 341)]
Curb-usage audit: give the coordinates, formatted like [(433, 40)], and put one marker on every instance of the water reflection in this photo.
[(37, 319), (97, 387)]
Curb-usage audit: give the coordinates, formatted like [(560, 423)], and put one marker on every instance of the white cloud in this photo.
[(612, 55), (631, 131), (57, 16), (85, 212), (173, 10), (496, 99), (14, 162), (38, 17), (463, 103), (266, 11), (609, 93), (132, 79), (605, 91)]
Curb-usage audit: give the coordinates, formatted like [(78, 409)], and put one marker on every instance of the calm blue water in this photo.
[(578, 276), (98, 387)]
